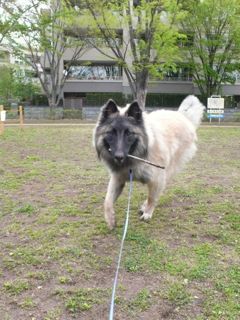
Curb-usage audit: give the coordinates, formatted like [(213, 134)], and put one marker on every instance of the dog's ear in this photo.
[(108, 109), (134, 111)]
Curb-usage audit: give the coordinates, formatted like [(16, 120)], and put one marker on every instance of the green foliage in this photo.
[(99, 99), (16, 85), (42, 30), (82, 300), (152, 100), (142, 301), (237, 117), (8, 18), (214, 26), (26, 209), (28, 303), (164, 100), (72, 113), (178, 294), (15, 287), (24, 87), (150, 37), (6, 84)]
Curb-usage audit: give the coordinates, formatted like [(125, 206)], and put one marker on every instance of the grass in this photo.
[(81, 299), (15, 287), (58, 258), (142, 301), (178, 294)]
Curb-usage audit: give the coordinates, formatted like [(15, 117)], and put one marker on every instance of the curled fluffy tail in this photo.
[(193, 109)]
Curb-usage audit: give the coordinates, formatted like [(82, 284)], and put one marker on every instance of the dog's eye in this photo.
[(128, 133), (109, 137), (112, 132)]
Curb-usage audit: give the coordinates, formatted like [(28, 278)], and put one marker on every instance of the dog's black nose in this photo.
[(119, 157)]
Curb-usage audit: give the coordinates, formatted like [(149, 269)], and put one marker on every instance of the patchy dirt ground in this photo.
[(58, 259)]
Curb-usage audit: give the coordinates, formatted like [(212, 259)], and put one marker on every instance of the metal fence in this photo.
[(91, 113)]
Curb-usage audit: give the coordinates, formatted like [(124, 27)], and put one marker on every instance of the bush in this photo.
[(153, 99), (99, 99), (72, 114), (164, 100), (236, 117), (39, 100)]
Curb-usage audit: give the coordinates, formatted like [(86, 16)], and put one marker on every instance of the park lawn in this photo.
[(58, 259)]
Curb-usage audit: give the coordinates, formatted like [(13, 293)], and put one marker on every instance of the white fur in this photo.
[(193, 109), (171, 143)]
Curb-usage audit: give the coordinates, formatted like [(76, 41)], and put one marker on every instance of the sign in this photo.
[(3, 115), (215, 111), (215, 103), (218, 116), (215, 106)]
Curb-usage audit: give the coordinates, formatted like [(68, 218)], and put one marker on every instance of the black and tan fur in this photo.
[(163, 137)]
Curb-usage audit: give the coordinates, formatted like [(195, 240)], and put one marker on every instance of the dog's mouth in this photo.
[(119, 159)]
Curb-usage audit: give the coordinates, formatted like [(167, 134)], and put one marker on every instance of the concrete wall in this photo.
[(176, 87), (92, 86)]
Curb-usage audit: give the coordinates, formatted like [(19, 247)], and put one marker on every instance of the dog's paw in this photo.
[(142, 209), (111, 224), (110, 220), (146, 216)]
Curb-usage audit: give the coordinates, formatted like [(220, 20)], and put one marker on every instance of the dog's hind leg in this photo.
[(155, 188), (115, 187)]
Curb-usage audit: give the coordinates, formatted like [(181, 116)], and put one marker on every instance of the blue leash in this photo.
[(121, 247)]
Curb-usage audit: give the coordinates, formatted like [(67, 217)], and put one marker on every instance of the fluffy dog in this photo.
[(166, 138)]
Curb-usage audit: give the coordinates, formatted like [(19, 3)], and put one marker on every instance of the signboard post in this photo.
[(2, 119), (20, 109), (215, 108)]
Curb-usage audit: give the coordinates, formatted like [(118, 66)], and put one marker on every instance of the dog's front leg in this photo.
[(114, 190), (155, 188)]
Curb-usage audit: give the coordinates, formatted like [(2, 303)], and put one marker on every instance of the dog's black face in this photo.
[(120, 140), (121, 135)]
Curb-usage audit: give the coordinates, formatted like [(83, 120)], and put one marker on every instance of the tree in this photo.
[(215, 27), (6, 84), (142, 37), (16, 85), (5, 21), (9, 17), (43, 44)]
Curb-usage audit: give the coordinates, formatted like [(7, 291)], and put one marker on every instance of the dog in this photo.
[(166, 138)]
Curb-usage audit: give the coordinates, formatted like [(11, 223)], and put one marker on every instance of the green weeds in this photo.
[(81, 299), (15, 287)]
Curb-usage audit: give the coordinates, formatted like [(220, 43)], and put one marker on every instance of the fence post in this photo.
[(21, 116), (1, 122)]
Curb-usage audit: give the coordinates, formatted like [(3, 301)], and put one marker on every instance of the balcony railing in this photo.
[(179, 78), (93, 78)]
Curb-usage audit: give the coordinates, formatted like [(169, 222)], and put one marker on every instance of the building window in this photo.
[(95, 72), (186, 42), (182, 73)]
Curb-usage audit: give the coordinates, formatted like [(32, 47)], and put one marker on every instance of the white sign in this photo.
[(215, 111), (215, 107), (215, 103), (3, 115)]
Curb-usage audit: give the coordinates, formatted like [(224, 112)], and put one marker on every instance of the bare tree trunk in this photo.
[(52, 106), (141, 87)]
